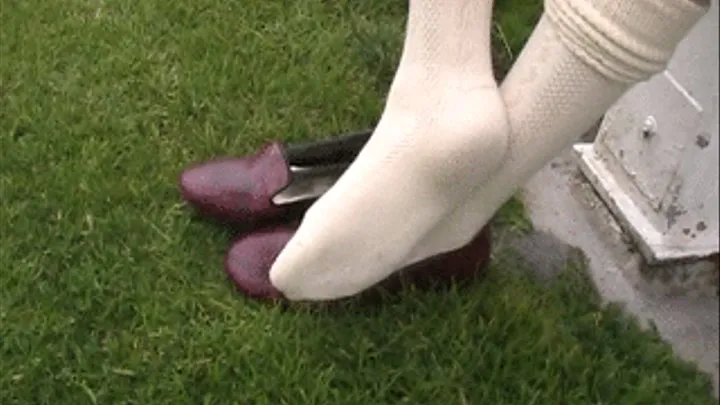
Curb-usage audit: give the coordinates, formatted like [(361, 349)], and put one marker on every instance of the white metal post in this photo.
[(655, 159)]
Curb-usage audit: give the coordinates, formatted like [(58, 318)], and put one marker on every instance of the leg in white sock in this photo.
[(581, 58), (443, 132)]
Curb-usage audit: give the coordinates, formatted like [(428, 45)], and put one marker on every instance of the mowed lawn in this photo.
[(112, 293)]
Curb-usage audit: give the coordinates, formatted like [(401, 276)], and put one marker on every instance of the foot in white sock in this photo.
[(443, 132)]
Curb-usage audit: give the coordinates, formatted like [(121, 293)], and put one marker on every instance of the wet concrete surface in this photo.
[(568, 215)]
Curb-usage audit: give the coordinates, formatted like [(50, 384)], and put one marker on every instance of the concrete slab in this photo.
[(562, 203)]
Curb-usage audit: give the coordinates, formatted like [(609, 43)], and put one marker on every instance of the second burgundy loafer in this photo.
[(278, 182), (249, 259)]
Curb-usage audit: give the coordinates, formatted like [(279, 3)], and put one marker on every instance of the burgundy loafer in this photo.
[(278, 182), (249, 259)]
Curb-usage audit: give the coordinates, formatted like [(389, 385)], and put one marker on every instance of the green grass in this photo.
[(111, 294)]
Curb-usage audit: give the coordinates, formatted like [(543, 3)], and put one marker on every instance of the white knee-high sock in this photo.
[(582, 56), (443, 131)]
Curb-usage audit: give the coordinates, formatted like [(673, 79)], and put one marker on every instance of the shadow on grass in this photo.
[(511, 339)]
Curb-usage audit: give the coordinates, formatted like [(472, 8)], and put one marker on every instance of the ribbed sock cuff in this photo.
[(625, 40)]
